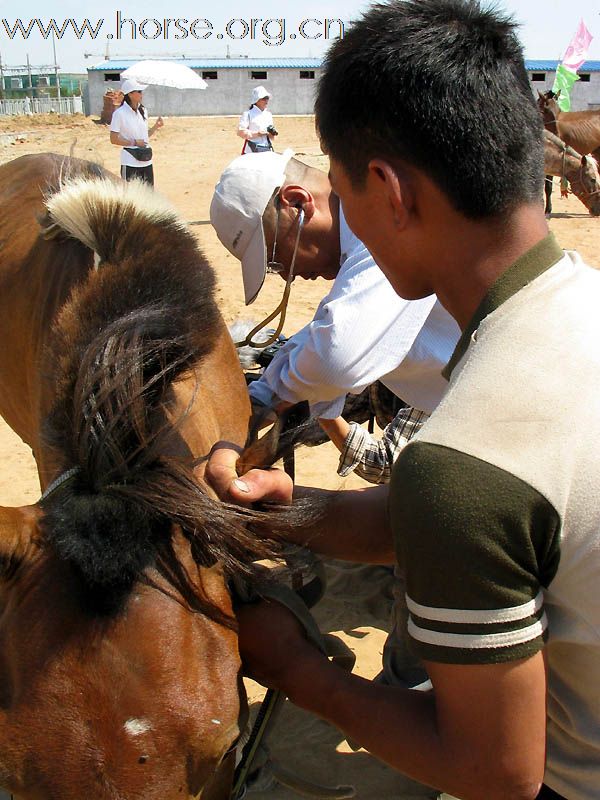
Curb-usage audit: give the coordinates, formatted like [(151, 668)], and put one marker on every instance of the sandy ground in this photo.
[(190, 154)]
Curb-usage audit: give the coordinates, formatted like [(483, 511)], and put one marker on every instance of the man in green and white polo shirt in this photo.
[(493, 508)]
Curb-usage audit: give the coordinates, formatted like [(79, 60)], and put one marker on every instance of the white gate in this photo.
[(41, 105)]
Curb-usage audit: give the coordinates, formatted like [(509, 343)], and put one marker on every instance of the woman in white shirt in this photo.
[(129, 131), (256, 125)]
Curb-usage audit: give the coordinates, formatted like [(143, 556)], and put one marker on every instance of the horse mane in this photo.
[(142, 321)]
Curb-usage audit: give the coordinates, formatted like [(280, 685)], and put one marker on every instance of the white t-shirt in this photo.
[(363, 331), (255, 120), (130, 125)]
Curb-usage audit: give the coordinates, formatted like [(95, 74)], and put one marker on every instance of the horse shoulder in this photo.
[(18, 536)]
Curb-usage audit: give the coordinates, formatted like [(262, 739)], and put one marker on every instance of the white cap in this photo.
[(258, 93), (239, 201), (131, 85)]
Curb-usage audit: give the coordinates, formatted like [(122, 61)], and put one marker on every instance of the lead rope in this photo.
[(564, 183), (297, 600)]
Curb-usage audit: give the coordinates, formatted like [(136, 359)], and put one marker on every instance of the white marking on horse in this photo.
[(136, 727), (216, 721), (80, 201)]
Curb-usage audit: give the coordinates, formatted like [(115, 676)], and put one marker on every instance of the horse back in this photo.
[(580, 130)]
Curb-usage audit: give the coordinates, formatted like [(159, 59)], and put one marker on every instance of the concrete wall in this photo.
[(228, 94), (584, 96)]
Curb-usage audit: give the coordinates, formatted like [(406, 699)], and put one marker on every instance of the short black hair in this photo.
[(441, 85)]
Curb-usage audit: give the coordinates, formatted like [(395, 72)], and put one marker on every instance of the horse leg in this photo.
[(548, 193)]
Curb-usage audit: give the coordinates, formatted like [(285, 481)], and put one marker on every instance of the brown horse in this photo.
[(119, 669), (578, 129), (580, 171)]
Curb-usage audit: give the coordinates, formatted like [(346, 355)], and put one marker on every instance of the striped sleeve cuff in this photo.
[(477, 636)]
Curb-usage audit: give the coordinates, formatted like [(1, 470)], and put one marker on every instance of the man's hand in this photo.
[(256, 485), (273, 645)]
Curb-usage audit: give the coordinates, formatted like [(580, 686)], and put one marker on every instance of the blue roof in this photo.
[(118, 65), (546, 65)]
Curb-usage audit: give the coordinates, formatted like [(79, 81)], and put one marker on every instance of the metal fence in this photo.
[(41, 105)]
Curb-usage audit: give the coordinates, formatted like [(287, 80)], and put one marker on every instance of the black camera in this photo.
[(267, 354), (271, 129)]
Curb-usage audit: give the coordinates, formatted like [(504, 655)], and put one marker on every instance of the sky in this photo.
[(256, 28)]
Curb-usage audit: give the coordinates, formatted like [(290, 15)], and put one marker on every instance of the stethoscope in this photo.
[(276, 267)]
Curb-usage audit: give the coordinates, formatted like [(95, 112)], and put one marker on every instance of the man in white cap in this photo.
[(265, 208), (129, 131), (273, 210), (256, 125)]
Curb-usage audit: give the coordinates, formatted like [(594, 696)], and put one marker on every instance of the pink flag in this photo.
[(576, 52)]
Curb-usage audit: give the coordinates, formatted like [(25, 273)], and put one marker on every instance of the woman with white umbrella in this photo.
[(256, 125), (129, 131)]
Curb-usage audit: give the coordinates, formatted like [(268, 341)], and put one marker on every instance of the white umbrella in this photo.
[(164, 73)]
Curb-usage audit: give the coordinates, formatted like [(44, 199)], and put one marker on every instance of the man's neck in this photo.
[(481, 253)]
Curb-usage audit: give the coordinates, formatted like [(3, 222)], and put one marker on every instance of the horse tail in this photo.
[(139, 324)]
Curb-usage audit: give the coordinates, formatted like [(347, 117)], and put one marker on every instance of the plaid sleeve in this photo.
[(371, 458)]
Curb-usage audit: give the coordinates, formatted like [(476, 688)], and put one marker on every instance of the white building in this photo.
[(585, 94), (292, 81)]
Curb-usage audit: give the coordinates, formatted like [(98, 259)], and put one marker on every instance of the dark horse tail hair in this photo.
[(141, 322)]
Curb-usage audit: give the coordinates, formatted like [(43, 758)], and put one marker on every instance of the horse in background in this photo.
[(577, 129), (580, 171), (119, 667)]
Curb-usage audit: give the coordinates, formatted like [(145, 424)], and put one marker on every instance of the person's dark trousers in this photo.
[(145, 174)]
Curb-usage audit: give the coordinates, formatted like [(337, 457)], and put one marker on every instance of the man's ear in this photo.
[(295, 196), (395, 187)]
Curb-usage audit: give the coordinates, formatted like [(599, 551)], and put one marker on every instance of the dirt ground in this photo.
[(189, 155)]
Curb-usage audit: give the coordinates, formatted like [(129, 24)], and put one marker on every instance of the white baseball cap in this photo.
[(258, 93), (238, 204), (131, 85)]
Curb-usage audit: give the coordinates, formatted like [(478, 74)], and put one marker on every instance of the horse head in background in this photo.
[(547, 103), (119, 668), (577, 129), (580, 171)]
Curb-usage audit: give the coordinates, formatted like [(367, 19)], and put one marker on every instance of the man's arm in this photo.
[(479, 734), (337, 429), (354, 524), (342, 349)]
